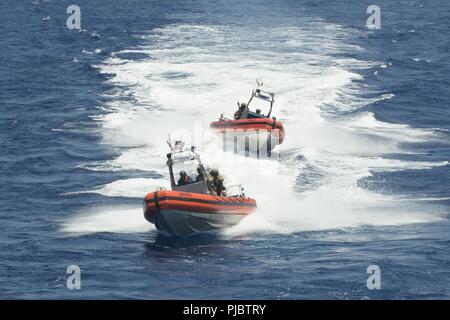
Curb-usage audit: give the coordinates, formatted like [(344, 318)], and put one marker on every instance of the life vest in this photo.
[(184, 180)]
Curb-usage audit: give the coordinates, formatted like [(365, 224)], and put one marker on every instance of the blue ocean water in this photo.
[(363, 177)]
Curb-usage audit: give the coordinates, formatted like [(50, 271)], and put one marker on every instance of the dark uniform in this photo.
[(199, 177), (242, 108)]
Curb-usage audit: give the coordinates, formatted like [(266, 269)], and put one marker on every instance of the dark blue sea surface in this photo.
[(363, 178)]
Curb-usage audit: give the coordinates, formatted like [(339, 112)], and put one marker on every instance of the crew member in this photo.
[(184, 178), (199, 176), (215, 183), (241, 112)]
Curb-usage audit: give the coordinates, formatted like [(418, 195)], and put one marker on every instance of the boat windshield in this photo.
[(188, 166)]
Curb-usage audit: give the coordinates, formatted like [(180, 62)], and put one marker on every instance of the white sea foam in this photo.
[(104, 219)]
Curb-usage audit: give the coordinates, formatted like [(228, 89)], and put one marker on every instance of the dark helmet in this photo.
[(214, 173), (258, 111), (243, 105), (182, 173)]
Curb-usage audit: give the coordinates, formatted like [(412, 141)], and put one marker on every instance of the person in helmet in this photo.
[(184, 178), (199, 176), (215, 183), (242, 112)]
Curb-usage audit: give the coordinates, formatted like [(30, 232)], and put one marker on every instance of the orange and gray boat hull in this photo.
[(182, 213)]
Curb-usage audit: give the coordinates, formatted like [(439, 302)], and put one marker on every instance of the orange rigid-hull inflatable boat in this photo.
[(253, 124), (183, 213), (191, 207)]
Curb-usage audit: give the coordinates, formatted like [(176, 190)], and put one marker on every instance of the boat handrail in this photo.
[(240, 190), (263, 95)]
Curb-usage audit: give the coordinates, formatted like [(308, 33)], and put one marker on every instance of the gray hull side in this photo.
[(182, 223)]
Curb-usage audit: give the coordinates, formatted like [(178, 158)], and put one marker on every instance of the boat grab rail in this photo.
[(240, 190)]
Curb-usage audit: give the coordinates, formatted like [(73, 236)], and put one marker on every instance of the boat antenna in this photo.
[(169, 142)]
